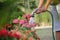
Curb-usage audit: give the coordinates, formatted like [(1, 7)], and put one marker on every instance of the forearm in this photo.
[(40, 3), (47, 3)]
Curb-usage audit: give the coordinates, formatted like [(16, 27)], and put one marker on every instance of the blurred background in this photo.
[(11, 9)]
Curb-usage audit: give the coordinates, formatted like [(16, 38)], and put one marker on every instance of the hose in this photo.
[(52, 25), (52, 22)]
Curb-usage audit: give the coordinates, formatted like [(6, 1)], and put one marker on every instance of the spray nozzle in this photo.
[(31, 21), (32, 14)]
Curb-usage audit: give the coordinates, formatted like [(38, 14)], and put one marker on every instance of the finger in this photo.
[(35, 11), (38, 12)]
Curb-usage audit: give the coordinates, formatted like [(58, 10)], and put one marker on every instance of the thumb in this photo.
[(36, 10)]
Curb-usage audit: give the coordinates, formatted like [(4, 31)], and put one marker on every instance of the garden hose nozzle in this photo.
[(31, 21), (32, 14)]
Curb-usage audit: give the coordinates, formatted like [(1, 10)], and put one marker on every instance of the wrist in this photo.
[(39, 6), (46, 7)]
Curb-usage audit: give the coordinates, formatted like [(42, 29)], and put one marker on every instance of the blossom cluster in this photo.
[(25, 22), (21, 30), (4, 34)]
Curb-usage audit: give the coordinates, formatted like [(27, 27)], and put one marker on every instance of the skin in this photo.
[(42, 8), (58, 35)]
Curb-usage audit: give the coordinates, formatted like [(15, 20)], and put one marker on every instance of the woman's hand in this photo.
[(40, 10), (43, 9)]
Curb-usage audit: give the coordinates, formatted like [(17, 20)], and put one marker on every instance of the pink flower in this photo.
[(14, 35), (4, 32), (21, 22), (11, 35), (17, 35), (28, 26), (38, 38), (28, 15), (30, 38), (24, 25), (33, 25), (15, 21), (24, 36), (0, 32)]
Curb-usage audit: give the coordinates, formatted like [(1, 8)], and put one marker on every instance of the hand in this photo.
[(40, 10), (43, 9)]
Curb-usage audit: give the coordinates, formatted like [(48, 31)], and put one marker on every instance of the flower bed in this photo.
[(19, 29)]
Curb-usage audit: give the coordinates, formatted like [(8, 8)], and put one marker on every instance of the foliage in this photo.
[(32, 4), (7, 7), (43, 17), (21, 30), (10, 9), (24, 28)]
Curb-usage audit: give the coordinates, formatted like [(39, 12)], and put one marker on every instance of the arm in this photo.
[(41, 7), (40, 3), (47, 3)]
